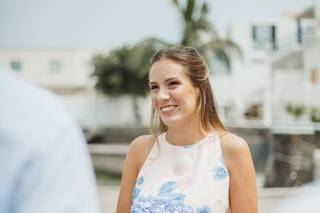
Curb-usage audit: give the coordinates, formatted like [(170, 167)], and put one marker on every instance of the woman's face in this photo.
[(173, 95)]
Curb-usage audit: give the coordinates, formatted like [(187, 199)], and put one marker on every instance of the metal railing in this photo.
[(305, 38)]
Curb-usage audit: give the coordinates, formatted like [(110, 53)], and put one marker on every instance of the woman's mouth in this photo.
[(168, 108)]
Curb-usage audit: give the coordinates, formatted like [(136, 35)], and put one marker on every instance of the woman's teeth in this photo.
[(167, 108)]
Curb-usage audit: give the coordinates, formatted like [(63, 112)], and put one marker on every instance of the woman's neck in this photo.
[(186, 134)]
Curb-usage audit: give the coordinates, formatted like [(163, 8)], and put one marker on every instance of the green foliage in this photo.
[(116, 76), (296, 110), (124, 70), (315, 114)]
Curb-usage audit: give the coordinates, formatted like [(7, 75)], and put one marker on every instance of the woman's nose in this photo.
[(163, 95)]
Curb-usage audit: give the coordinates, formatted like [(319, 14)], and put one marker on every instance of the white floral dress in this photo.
[(184, 179)]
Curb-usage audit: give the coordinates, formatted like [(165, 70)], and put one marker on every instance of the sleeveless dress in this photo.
[(191, 178)]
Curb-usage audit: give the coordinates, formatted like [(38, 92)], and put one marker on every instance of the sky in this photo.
[(106, 24)]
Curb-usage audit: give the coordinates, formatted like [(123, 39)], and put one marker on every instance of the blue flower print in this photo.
[(166, 201), (168, 187), (219, 173), (204, 209), (136, 190), (135, 193), (140, 180)]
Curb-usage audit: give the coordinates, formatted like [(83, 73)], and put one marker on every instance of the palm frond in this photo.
[(189, 11), (225, 44)]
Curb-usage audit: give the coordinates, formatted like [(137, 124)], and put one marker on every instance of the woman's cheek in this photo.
[(154, 102)]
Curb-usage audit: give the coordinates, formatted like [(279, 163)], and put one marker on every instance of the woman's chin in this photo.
[(170, 121)]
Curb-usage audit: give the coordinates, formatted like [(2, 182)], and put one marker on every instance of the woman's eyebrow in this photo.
[(152, 82), (168, 79)]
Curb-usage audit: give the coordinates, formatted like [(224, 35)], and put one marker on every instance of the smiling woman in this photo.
[(190, 162)]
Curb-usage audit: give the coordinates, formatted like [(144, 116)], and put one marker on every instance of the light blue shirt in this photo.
[(44, 162)]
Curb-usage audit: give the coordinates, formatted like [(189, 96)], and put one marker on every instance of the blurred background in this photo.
[(264, 59)]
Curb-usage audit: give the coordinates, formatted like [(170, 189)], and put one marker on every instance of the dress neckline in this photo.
[(201, 141)]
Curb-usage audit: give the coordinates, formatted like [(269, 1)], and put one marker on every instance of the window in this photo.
[(55, 66), (264, 37), (16, 65)]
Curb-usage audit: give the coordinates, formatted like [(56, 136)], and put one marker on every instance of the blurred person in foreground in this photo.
[(44, 163), (190, 162)]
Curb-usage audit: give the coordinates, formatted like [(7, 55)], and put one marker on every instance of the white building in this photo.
[(280, 67), (241, 93), (296, 66), (62, 70)]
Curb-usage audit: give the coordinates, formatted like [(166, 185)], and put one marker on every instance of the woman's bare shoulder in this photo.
[(232, 142), (140, 147), (235, 149), (141, 142)]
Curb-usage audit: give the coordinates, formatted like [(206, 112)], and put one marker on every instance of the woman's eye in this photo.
[(173, 83), (153, 87)]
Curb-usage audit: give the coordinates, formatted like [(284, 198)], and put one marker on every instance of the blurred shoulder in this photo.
[(39, 104), (37, 117)]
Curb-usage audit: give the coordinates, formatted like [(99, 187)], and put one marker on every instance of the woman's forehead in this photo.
[(166, 68)]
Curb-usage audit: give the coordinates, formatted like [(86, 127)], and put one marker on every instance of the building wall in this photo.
[(312, 66), (52, 68), (246, 84), (287, 89)]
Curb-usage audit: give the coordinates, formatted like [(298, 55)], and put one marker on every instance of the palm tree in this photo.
[(124, 71), (200, 33)]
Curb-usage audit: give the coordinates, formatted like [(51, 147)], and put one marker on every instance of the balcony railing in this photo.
[(307, 37)]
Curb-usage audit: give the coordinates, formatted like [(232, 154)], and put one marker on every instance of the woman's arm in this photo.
[(243, 188), (133, 162)]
